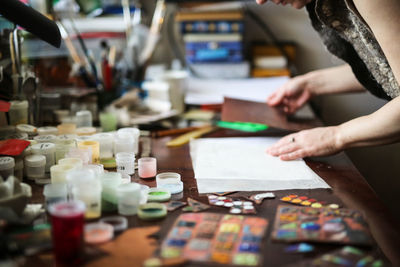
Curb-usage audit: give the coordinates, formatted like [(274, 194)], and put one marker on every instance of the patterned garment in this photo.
[(347, 35)]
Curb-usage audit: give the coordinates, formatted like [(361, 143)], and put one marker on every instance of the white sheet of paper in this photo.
[(241, 164), (213, 91)]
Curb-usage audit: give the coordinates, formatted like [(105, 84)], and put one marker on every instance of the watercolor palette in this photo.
[(236, 206), (218, 238), (347, 257), (307, 202), (298, 224)]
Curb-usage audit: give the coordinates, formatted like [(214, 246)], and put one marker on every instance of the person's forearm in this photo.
[(333, 81), (379, 128)]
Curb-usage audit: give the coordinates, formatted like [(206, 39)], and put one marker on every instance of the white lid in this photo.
[(26, 128), (55, 190), (85, 130), (65, 142), (49, 138), (47, 130), (67, 209), (128, 188), (66, 137), (18, 104), (23, 136), (104, 137), (6, 163), (71, 161), (131, 130), (44, 148), (35, 160), (83, 113)]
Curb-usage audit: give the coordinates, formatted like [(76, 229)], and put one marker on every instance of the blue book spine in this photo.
[(213, 45), (212, 27), (213, 55)]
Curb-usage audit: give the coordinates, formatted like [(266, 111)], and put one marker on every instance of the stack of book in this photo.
[(214, 40), (269, 61)]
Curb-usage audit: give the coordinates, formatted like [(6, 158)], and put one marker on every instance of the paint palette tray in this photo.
[(218, 238), (304, 224)]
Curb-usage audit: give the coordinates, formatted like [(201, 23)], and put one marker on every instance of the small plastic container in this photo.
[(67, 217), (66, 128), (48, 150), (35, 166), (90, 193), (58, 173), (108, 122), (98, 169), (66, 137), (62, 147), (26, 128), (18, 112), (77, 162), (97, 233), (125, 163), (106, 141), (124, 142), (55, 193), (110, 182), (22, 136), (50, 138), (128, 198), (135, 132), (168, 178), (85, 154), (19, 169), (47, 130), (147, 167), (95, 147), (84, 118), (7, 165), (85, 131)]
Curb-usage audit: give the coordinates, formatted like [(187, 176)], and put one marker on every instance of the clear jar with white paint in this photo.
[(125, 162)]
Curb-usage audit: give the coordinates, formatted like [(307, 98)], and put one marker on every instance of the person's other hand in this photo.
[(321, 141), (292, 95)]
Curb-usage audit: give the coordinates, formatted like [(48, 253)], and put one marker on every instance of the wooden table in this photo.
[(349, 189)]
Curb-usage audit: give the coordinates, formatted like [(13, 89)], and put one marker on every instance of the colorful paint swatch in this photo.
[(216, 238), (300, 224)]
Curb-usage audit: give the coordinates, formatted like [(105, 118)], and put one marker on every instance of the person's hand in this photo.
[(321, 141), (292, 95)]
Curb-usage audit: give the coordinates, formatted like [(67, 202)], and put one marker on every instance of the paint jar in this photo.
[(82, 138), (50, 138), (147, 167), (18, 112), (85, 154), (35, 166), (21, 136), (108, 122), (144, 193), (90, 194), (98, 169), (47, 130), (26, 128), (62, 148), (48, 150), (58, 173), (110, 182), (54, 193), (7, 165), (135, 133), (125, 162), (84, 186), (95, 147), (106, 141), (170, 181), (77, 162), (84, 118), (86, 131), (67, 220), (128, 198), (124, 142), (19, 168), (66, 128), (126, 178)]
